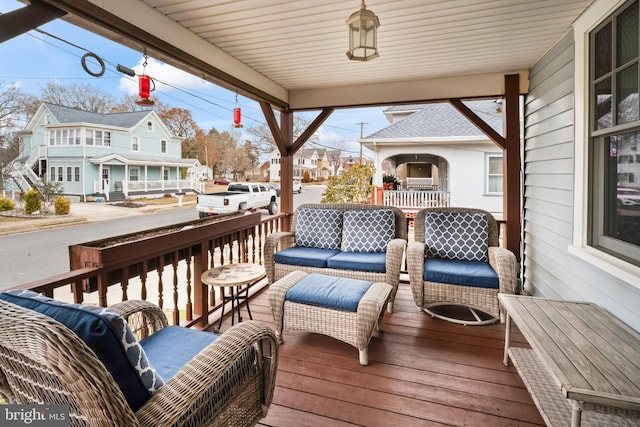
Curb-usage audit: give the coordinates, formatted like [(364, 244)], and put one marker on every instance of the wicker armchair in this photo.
[(394, 250), (429, 294), (44, 362)]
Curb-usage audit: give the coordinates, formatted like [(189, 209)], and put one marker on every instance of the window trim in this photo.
[(135, 147), (579, 247)]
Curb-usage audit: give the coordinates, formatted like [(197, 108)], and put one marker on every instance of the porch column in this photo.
[(146, 179), (286, 166), (512, 186)]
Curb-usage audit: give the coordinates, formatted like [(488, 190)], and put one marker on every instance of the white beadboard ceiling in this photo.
[(294, 50)]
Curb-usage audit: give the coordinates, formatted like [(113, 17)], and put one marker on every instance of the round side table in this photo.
[(232, 277)]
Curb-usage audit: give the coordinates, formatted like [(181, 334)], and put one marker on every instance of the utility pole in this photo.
[(361, 129)]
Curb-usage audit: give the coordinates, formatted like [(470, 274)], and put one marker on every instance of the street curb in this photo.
[(39, 224)]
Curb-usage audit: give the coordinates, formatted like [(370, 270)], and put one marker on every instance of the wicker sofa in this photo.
[(229, 381), (348, 240), (455, 260)]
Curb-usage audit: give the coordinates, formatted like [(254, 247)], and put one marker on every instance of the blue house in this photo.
[(112, 156)]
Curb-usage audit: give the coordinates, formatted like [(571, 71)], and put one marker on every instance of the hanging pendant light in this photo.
[(363, 40), (145, 87)]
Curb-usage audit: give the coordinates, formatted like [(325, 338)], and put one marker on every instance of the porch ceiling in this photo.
[(292, 52)]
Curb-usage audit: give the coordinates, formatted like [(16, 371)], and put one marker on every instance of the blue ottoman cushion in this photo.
[(307, 257), (456, 272), (360, 261), (327, 291)]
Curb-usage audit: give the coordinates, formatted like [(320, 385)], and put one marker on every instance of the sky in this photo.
[(53, 52)]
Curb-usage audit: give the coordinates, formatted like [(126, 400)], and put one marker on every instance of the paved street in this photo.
[(38, 248)]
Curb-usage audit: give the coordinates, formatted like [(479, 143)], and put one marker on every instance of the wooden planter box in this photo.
[(127, 249)]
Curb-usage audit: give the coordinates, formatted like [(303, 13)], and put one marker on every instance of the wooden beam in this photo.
[(311, 129), (286, 169), (478, 122), (512, 185), (19, 21), (278, 137)]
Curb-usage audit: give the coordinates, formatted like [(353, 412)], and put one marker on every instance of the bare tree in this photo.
[(264, 141), (11, 106), (83, 97)]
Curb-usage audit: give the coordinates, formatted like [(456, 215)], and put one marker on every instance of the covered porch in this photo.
[(535, 56)]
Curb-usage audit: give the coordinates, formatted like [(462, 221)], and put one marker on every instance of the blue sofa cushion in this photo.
[(108, 335), (465, 273), (328, 291), (360, 261), (318, 228), (307, 257), (456, 235), (368, 230)]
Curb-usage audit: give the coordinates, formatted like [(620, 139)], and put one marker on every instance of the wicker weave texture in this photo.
[(426, 293), (354, 328), (42, 361), (394, 253)]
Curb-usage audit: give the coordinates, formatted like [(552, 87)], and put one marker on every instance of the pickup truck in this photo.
[(239, 197)]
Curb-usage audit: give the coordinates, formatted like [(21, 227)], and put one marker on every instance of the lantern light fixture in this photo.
[(363, 40)]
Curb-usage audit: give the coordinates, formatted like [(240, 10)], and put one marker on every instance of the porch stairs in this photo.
[(21, 174)]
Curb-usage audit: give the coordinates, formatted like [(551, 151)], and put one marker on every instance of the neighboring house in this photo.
[(115, 156), (305, 160), (434, 147), (320, 163)]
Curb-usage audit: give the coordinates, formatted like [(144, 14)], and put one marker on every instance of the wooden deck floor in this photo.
[(422, 372)]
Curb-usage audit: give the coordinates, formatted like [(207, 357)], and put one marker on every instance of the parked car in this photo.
[(221, 181), (628, 196), (297, 187), (239, 197)]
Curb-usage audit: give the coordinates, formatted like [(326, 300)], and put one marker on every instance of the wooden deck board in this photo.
[(422, 372)]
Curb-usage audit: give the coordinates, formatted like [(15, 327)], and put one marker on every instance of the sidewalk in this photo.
[(81, 213)]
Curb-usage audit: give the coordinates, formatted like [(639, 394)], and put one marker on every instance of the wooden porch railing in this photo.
[(166, 271)]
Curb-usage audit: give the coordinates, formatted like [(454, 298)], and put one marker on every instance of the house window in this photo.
[(52, 174), (494, 180), (615, 134), (163, 146), (76, 174), (97, 137), (69, 174), (134, 173), (166, 174), (149, 126), (135, 143), (60, 173)]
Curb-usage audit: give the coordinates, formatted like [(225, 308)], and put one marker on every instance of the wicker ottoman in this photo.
[(344, 309)]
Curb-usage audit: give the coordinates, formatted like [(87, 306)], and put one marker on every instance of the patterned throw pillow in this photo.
[(319, 228), (107, 334), (456, 235), (368, 230)]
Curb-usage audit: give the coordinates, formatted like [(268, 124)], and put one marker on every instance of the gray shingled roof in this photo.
[(440, 120), (72, 115)]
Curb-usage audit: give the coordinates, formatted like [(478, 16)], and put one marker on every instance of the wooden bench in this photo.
[(582, 359)]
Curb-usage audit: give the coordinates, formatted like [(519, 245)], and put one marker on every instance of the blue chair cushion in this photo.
[(360, 261), (368, 230), (464, 273), (108, 335), (318, 228), (307, 257), (456, 235), (172, 347), (328, 291)]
